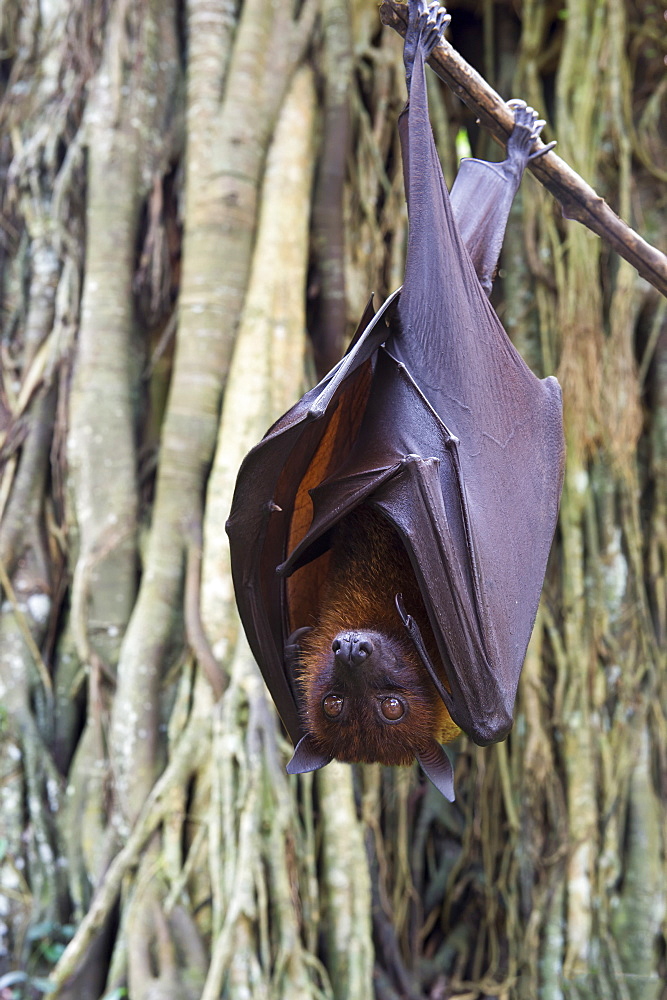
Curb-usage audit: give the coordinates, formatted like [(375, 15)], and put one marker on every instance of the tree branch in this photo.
[(577, 198)]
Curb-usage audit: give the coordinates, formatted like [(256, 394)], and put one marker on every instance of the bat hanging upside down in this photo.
[(390, 533)]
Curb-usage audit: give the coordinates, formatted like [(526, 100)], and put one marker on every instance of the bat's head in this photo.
[(366, 695), (367, 698)]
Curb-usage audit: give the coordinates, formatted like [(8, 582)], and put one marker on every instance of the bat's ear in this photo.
[(437, 766), (307, 757)]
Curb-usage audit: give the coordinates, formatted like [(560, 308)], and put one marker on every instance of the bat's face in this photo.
[(368, 698)]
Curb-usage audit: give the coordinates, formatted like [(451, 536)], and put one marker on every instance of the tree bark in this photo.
[(157, 238)]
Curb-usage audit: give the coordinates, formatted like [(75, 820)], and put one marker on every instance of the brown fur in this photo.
[(369, 566)]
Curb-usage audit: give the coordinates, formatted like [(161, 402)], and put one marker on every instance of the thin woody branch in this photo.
[(577, 198)]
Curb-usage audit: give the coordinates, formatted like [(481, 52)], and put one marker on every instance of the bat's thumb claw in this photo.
[(298, 634), (400, 607), (437, 766)]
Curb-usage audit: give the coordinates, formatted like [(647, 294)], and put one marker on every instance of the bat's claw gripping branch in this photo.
[(426, 25), (527, 129)]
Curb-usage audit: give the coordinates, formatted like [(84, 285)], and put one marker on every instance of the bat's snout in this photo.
[(352, 648)]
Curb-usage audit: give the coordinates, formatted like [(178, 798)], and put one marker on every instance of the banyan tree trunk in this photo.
[(190, 192)]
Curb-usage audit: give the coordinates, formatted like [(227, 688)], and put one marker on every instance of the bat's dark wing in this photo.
[(509, 455), (481, 197), (448, 432), (271, 510)]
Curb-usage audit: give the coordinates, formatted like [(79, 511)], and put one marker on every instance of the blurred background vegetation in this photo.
[(197, 198)]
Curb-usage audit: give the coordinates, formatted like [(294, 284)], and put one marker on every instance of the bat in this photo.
[(389, 535)]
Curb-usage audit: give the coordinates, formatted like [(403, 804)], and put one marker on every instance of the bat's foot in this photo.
[(526, 131), (426, 25), (432, 19)]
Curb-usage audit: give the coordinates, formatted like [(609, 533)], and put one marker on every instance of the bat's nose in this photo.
[(352, 648)]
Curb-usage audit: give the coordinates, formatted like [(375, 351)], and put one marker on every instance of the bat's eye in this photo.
[(332, 705), (392, 708)]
